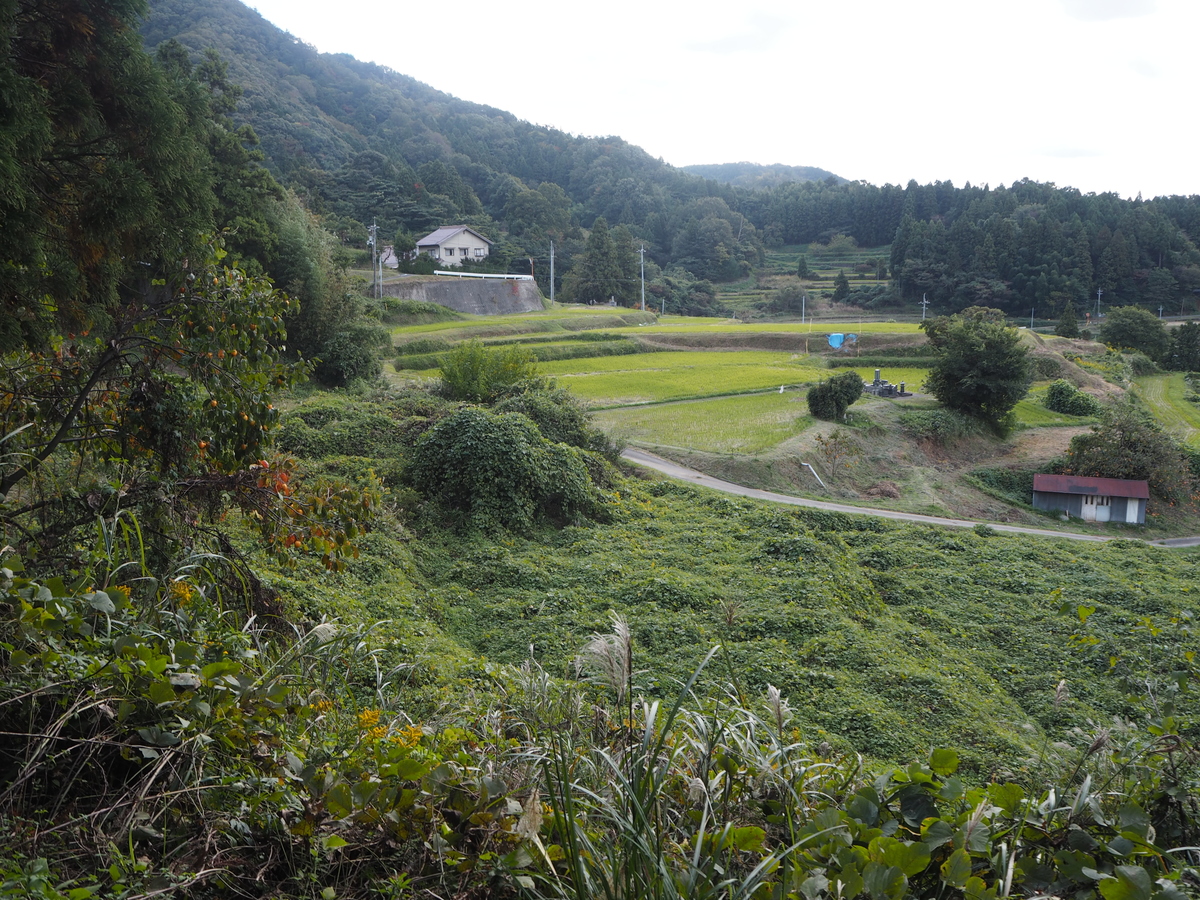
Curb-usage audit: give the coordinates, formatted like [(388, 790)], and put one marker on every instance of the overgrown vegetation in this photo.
[(830, 399), (1064, 397), (354, 671)]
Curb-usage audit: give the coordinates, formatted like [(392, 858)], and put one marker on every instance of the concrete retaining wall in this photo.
[(479, 296)]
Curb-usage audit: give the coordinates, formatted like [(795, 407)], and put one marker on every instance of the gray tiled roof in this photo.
[(445, 233)]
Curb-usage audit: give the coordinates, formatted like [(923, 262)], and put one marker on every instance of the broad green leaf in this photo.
[(814, 886), (221, 667), (909, 858), (943, 762), (884, 882), (936, 832), (749, 838), (977, 889), (411, 769), (334, 842), (338, 801), (1120, 846), (1133, 818), (1008, 797), (161, 692), (957, 868), (100, 601), (1128, 883), (863, 809)]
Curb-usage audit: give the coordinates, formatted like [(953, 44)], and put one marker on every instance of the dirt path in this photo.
[(650, 461)]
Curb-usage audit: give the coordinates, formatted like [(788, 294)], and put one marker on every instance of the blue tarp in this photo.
[(835, 340)]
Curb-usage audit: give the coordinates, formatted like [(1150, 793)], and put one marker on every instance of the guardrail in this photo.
[(482, 275)]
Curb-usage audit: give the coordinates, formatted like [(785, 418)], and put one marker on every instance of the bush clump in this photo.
[(942, 426), (561, 418), (1064, 397), (830, 399), (477, 374), (497, 470)]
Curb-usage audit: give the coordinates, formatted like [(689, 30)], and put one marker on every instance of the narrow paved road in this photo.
[(650, 461)]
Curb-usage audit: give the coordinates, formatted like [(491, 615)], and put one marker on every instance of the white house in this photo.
[(451, 244)]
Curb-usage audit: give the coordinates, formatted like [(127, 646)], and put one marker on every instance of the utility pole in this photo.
[(803, 306), (373, 244), (924, 303), (1031, 309), (552, 271), (642, 254), (1099, 292)]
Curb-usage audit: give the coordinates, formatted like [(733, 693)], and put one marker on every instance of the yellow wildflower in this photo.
[(368, 718)]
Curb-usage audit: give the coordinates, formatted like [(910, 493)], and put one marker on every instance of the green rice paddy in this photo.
[(746, 424), (680, 375)]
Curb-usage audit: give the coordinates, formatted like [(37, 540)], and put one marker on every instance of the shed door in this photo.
[(1131, 511), (1089, 509), (1103, 509)]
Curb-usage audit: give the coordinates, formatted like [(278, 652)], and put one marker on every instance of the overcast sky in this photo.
[(1095, 94)]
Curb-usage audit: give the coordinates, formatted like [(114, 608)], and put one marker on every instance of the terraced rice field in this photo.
[(1165, 395), (746, 424), (1031, 414), (818, 327), (657, 377)]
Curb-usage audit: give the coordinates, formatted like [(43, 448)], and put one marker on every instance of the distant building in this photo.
[(1092, 499), (451, 244)]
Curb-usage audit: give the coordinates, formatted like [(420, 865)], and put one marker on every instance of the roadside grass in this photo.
[(680, 375), (1166, 396), (744, 424)]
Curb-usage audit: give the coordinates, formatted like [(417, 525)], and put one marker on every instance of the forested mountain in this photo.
[(356, 142), (360, 141), (753, 175)]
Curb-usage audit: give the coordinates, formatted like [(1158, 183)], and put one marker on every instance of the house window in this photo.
[(479, 251), (449, 251)]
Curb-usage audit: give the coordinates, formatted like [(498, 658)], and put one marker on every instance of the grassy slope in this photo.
[(888, 639), (1166, 396)]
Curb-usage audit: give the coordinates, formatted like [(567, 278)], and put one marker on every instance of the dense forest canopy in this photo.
[(753, 175), (359, 142)]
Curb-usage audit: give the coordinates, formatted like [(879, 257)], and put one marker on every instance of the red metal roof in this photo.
[(1100, 487)]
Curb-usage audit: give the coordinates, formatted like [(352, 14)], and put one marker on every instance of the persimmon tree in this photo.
[(169, 409)]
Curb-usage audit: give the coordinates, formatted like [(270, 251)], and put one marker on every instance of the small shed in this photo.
[(1092, 499), (451, 244)]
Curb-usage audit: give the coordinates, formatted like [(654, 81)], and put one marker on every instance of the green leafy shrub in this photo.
[(352, 355), (328, 426), (1045, 365), (1141, 364), (1128, 443), (561, 417), (1010, 485), (1064, 397), (830, 399), (942, 426), (477, 374), (423, 346), (498, 471)]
